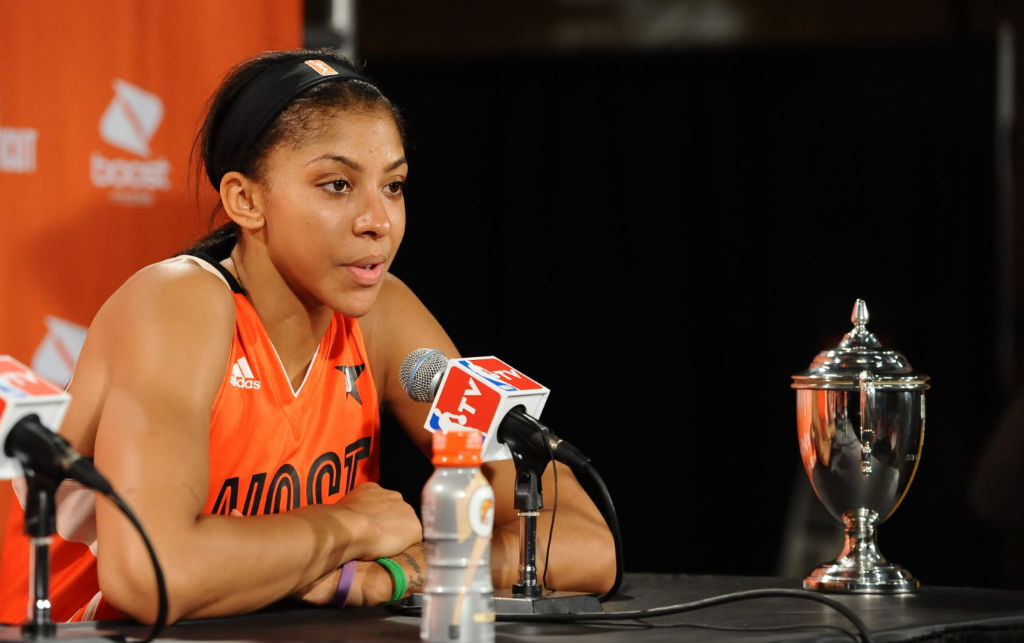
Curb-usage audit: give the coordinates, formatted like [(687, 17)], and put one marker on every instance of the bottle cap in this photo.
[(457, 448)]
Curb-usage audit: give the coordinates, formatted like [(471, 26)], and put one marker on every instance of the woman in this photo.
[(231, 394)]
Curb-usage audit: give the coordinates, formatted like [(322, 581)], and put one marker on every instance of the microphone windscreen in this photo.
[(421, 372)]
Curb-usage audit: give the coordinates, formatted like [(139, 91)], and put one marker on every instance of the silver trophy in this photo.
[(860, 424)]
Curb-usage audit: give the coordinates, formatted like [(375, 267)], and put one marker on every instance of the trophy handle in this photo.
[(867, 420)]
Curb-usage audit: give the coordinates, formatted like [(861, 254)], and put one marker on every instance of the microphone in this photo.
[(486, 394), (30, 408)]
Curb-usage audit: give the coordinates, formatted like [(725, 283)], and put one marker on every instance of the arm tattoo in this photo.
[(415, 572)]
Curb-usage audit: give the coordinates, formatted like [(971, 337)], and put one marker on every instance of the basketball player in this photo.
[(232, 393)]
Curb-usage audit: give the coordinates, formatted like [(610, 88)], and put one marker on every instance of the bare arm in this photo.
[(164, 341), (582, 553)]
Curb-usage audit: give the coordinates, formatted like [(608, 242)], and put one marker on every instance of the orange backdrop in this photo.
[(99, 103)]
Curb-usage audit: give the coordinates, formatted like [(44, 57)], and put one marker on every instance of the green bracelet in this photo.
[(398, 574)]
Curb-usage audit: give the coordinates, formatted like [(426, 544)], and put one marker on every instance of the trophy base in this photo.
[(861, 568), (842, 576)]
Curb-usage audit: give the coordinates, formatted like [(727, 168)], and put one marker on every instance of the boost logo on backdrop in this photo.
[(129, 123), (18, 150)]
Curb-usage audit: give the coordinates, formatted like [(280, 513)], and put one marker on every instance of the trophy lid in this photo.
[(859, 351)]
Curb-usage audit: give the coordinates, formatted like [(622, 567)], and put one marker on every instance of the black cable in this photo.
[(582, 467), (648, 624), (161, 586), (607, 508), (651, 612), (694, 605), (554, 512), (853, 636), (642, 624)]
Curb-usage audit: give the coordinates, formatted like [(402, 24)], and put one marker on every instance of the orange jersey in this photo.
[(272, 449)]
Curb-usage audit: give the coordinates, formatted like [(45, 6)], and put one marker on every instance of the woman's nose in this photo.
[(373, 218)]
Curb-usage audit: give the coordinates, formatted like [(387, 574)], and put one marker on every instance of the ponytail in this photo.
[(218, 244)]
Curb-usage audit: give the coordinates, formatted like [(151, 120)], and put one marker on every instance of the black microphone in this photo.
[(421, 373), (32, 407), (36, 447)]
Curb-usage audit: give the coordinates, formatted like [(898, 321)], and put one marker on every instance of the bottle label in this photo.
[(481, 509)]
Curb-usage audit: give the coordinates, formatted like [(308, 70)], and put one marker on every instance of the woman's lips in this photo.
[(366, 272)]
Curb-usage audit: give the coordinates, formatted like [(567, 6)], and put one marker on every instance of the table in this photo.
[(946, 614)]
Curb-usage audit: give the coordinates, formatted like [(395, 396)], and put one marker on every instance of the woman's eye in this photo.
[(338, 186), (395, 188)]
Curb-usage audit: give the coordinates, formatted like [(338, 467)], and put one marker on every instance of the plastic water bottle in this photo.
[(458, 516)]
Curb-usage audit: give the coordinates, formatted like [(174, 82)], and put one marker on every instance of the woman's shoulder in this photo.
[(172, 296), (166, 331), (173, 282)]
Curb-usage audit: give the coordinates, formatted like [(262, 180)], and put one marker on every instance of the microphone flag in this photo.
[(477, 393), (22, 393)]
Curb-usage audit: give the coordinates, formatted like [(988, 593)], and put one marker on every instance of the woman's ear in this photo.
[(241, 200)]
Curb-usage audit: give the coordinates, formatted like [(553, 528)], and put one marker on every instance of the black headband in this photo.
[(259, 103)]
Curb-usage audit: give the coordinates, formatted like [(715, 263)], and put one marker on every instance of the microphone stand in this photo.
[(531, 457), (40, 525)]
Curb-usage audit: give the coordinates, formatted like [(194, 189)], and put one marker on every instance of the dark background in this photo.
[(662, 219)]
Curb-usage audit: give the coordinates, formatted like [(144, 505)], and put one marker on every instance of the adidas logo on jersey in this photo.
[(242, 376)]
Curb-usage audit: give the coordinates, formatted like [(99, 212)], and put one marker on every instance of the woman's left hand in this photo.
[(372, 584)]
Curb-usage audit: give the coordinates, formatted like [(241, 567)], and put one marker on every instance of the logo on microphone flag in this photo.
[(465, 401), (477, 393), (17, 381)]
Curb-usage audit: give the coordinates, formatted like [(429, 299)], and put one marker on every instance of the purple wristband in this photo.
[(348, 572)]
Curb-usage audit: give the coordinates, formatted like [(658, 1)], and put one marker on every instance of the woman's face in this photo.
[(335, 208)]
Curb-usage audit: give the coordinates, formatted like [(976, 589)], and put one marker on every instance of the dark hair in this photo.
[(295, 124)]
